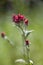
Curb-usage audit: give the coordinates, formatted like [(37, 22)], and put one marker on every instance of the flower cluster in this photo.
[(20, 18)]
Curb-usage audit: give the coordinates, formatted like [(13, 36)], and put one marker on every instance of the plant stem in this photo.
[(25, 48)]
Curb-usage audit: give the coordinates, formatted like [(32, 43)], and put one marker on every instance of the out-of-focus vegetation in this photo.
[(33, 10)]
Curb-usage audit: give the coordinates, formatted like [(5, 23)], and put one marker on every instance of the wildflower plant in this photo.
[(21, 22)]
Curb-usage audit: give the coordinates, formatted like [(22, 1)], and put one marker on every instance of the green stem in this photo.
[(23, 38), (9, 41), (25, 49)]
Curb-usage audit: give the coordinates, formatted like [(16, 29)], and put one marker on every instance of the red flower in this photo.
[(16, 19), (27, 42), (26, 21), (3, 34), (21, 17)]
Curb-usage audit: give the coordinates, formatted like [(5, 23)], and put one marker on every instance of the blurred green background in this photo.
[(33, 10)]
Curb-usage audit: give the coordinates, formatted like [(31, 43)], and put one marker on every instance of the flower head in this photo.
[(3, 34), (27, 42), (16, 19), (20, 20), (21, 17), (26, 21)]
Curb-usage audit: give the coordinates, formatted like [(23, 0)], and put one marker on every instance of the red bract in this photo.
[(27, 42), (26, 21), (21, 17), (3, 34), (16, 19)]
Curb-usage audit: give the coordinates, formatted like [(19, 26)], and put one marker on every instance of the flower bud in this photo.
[(26, 21), (3, 34), (21, 17), (27, 42), (16, 19)]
